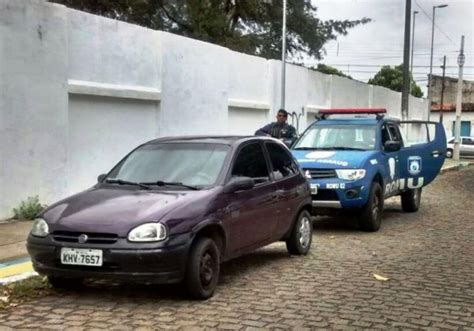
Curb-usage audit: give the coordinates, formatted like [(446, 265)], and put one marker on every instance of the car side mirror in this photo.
[(239, 184), (101, 178), (392, 146)]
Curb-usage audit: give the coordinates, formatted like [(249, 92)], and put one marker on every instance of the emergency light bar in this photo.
[(335, 111)]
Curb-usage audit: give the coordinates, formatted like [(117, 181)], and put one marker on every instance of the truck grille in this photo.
[(325, 195), (93, 238), (321, 173)]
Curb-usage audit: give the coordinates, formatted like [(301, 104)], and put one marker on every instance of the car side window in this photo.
[(467, 141), (385, 135), (250, 162), (282, 164), (395, 133)]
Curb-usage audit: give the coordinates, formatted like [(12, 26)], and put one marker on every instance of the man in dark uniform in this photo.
[(279, 129)]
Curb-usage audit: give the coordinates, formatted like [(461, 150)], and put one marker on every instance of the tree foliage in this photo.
[(249, 26), (392, 78), (325, 69)]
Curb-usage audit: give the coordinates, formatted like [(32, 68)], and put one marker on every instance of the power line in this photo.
[(431, 19)]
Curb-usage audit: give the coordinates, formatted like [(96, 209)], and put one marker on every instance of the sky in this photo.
[(367, 47)]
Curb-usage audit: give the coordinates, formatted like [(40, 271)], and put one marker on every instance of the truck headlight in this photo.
[(148, 232), (40, 228), (350, 174)]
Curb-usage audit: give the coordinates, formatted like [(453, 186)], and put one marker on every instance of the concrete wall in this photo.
[(78, 91)]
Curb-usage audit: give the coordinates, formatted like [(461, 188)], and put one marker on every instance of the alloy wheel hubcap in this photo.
[(206, 269), (305, 232)]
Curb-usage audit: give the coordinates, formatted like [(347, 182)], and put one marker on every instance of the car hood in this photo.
[(332, 159), (115, 210)]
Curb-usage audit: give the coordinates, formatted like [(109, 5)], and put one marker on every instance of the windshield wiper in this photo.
[(304, 148), (126, 182), (347, 148), (162, 183)]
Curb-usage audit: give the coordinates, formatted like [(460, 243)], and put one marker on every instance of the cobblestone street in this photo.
[(427, 256)]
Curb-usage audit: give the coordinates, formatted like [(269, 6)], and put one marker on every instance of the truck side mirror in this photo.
[(392, 146)]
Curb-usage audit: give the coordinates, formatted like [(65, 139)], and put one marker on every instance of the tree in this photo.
[(325, 69), (249, 26), (392, 78)]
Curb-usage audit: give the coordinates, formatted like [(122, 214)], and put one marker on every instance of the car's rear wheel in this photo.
[(411, 200), (65, 283), (202, 273), (301, 236), (370, 216), (449, 153)]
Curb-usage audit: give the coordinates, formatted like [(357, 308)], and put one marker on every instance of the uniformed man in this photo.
[(279, 129)]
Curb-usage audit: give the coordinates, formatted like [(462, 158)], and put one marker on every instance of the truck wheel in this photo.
[(202, 273), (370, 216), (65, 283), (301, 236), (411, 200), (449, 153)]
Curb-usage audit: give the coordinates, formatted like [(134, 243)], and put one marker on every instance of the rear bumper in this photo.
[(151, 265)]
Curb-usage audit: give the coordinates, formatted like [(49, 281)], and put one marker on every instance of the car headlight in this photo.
[(40, 228), (148, 232), (350, 174)]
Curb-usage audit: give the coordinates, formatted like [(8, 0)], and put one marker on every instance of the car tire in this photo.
[(411, 200), (449, 153), (370, 216), (299, 242), (203, 267), (65, 283)]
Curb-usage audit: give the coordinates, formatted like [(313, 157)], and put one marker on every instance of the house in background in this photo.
[(449, 104)]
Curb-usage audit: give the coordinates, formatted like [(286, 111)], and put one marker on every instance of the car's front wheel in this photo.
[(301, 236), (411, 200), (65, 283), (449, 153), (202, 273), (370, 216)]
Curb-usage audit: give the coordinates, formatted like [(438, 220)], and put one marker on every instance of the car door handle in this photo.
[(436, 153)]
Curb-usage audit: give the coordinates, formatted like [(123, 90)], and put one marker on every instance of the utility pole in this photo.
[(406, 61), (431, 58), (412, 43), (457, 127), (283, 57), (442, 91)]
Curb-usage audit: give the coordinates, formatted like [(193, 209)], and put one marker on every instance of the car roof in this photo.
[(226, 140)]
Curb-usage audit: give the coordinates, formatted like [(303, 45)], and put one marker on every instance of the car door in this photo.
[(423, 153), (251, 214), (284, 172), (467, 146)]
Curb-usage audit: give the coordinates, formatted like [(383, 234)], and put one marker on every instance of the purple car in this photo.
[(173, 210)]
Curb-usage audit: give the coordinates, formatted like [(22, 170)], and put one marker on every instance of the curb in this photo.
[(456, 167), (16, 269)]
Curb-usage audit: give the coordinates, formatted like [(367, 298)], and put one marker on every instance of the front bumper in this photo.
[(335, 193), (164, 263)]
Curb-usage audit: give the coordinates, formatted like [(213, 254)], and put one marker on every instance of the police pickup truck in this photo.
[(354, 159)]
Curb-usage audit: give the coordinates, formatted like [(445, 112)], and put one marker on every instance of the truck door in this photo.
[(423, 153)]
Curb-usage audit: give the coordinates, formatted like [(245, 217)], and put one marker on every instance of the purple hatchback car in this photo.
[(174, 209)]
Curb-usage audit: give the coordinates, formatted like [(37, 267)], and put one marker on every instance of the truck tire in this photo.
[(411, 200), (370, 216), (202, 272), (301, 236)]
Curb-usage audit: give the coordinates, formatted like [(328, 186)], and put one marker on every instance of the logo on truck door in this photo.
[(414, 165)]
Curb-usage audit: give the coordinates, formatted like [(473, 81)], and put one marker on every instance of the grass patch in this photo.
[(13, 294)]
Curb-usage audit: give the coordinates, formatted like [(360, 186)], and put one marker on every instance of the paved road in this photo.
[(428, 257)]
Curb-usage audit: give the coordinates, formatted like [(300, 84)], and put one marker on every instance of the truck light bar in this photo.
[(353, 111)]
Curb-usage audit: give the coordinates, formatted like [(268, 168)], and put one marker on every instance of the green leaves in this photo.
[(392, 78), (249, 26)]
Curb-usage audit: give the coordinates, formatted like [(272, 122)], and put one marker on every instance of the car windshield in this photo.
[(342, 137), (171, 164)]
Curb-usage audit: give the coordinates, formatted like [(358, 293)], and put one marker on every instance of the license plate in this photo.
[(314, 188), (80, 256)]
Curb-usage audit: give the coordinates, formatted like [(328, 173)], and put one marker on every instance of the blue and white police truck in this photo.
[(354, 159)]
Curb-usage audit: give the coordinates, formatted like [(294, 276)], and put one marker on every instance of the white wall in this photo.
[(78, 91)]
